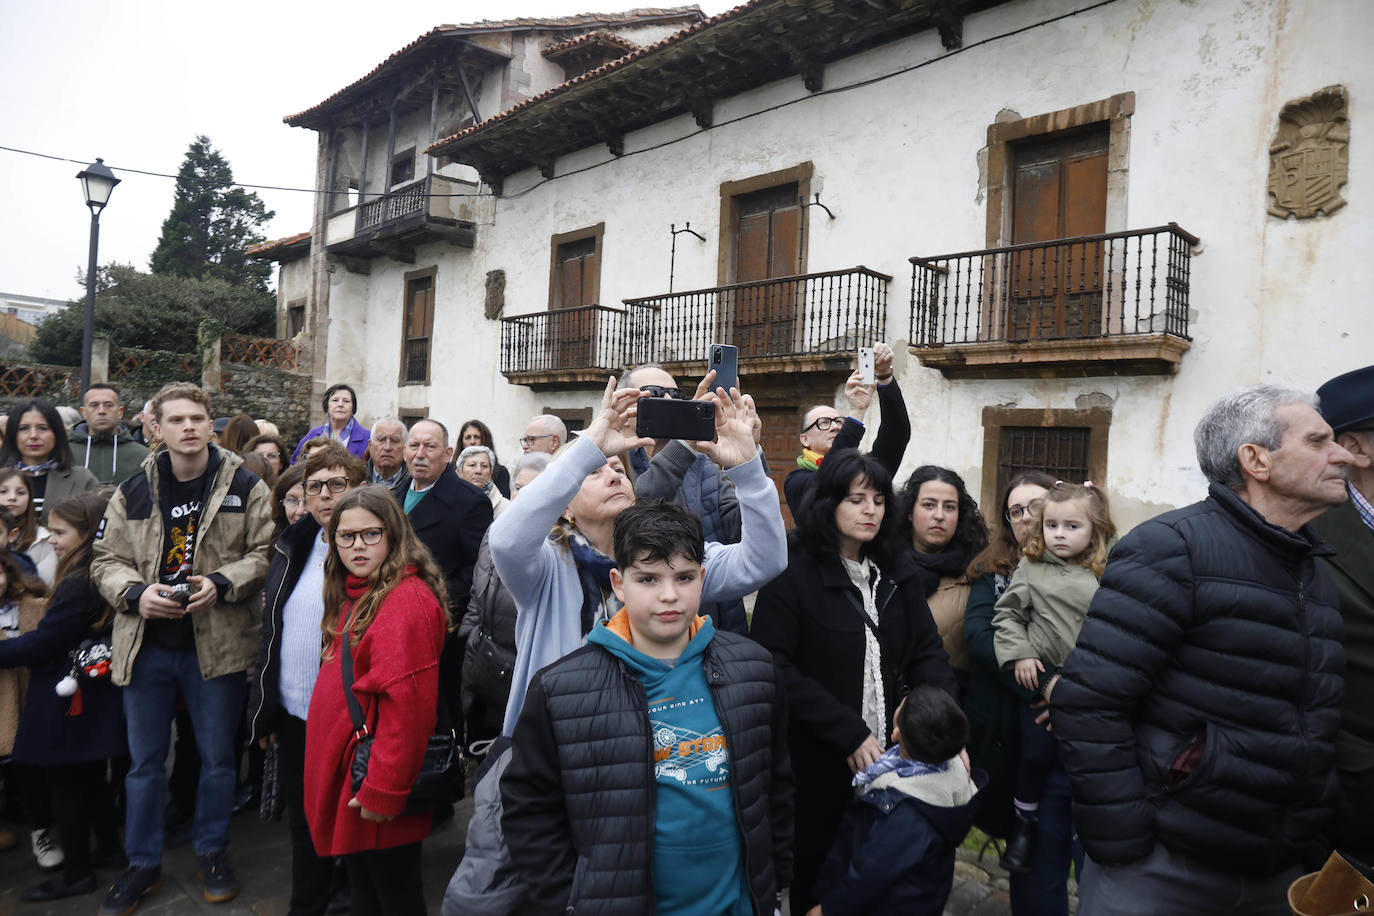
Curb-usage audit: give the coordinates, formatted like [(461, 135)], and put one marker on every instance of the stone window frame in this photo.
[(1097, 420), (1115, 110), (575, 418)]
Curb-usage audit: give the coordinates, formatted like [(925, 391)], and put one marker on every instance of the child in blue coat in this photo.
[(895, 849)]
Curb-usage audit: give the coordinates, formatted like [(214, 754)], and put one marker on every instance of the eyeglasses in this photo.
[(661, 391), (292, 502), (270, 454), (335, 485), (824, 423), (370, 536), (527, 441), (1016, 513)]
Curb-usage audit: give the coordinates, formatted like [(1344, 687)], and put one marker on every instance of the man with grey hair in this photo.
[(545, 433), (1197, 714), (1347, 403), (386, 454)]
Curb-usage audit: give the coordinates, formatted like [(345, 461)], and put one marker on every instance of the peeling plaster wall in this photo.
[(901, 162)]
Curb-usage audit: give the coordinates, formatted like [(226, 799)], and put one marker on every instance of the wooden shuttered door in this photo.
[(1059, 192), (419, 327), (578, 266), (767, 245)]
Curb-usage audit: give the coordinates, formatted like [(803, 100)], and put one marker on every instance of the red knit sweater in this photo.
[(396, 680)]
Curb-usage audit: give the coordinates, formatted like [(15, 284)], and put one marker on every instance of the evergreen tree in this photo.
[(212, 224)]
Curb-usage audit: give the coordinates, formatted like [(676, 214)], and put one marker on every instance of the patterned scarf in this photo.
[(594, 571), (892, 761), (865, 577), (809, 460), (37, 468)]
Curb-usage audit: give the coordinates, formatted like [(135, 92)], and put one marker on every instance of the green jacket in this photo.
[(112, 457), (1060, 595), (235, 535), (1352, 568)]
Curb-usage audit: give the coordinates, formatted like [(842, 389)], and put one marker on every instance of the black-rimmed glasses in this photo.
[(335, 484), (370, 536), (1016, 513), (824, 423)]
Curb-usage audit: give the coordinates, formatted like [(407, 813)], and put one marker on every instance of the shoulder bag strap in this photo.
[(443, 721)]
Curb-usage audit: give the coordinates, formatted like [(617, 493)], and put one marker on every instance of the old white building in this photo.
[(1076, 222)]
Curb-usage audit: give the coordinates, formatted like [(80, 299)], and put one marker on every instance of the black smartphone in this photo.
[(725, 360), (667, 418)]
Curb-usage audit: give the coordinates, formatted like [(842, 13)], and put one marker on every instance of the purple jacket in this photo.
[(358, 437)]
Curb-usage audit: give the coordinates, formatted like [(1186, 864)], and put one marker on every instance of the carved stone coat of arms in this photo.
[(1309, 157)]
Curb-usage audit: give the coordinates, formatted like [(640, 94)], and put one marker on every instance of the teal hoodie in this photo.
[(698, 854)]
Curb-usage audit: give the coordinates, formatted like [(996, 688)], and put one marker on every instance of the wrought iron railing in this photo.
[(831, 312), (587, 337), (394, 204), (1107, 285), (257, 351)]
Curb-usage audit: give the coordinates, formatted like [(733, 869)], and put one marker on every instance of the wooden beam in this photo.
[(616, 144), (494, 180), (545, 166)]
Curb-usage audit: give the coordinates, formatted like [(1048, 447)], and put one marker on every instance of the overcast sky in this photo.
[(135, 82)]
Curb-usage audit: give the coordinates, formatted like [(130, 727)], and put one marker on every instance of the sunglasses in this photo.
[(659, 391)]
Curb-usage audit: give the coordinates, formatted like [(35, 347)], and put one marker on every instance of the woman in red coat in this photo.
[(384, 590)]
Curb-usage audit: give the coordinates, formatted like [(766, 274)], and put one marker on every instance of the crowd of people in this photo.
[(662, 700)]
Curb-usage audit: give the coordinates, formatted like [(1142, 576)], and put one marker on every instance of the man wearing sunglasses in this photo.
[(672, 470), (824, 430)]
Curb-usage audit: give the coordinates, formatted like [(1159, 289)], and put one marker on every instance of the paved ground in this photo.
[(262, 859)]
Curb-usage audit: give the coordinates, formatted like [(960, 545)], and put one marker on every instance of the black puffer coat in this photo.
[(579, 793), (289, 557), (1201, 704)]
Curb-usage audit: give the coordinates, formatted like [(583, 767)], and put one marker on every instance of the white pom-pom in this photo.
[(67, 686)]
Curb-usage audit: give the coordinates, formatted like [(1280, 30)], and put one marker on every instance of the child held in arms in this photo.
[(650, 769), (895, 849)]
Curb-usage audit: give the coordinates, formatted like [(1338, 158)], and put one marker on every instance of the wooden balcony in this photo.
[(393, 224), (1109, 304), (565, 348)]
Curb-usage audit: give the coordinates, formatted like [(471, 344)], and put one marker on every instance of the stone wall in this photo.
[(264, 393)]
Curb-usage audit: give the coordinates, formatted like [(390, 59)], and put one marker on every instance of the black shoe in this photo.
[(341, 901), (245, 798), (220, 883), (57, 888), (128, 892), (1020, 848)]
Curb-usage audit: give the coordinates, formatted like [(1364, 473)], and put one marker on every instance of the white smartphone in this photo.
[(866, 369)]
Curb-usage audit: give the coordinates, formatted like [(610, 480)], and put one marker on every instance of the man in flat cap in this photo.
[(1347, 404)]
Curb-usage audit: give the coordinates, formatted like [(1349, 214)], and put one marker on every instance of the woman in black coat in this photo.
[(848, 653), (73, 734)]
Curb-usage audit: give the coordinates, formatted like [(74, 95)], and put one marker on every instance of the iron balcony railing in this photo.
[(394, 204), (586, 337), (831, 312), (1107, 285)]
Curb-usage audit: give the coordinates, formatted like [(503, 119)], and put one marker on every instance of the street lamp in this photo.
[(97, 181)]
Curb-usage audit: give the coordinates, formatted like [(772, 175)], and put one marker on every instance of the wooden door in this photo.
[(780, 447), (767, 245), (571, 335), (1059, 192)]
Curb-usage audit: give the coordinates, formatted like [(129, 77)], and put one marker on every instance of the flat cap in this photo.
[(1347, 401)]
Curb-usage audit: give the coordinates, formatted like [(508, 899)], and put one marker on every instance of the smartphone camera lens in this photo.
[(715, 354)]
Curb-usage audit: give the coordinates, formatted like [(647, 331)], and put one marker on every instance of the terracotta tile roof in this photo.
[(500, 25), (277, 248), (600, 37), (696, 27)]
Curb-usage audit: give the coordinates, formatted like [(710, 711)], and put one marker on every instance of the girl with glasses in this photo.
[(385, 594)]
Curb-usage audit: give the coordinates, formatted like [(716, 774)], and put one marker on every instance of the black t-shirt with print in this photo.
[(180, 516)]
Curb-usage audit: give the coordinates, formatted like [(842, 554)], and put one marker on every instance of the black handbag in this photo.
[(440, 780), (488, 667)]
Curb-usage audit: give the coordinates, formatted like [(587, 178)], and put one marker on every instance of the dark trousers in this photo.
[(1038, 754), (823, 783), (35, 798), (83, 801), (1166, 883), (386, 882), (1045, 891), (311, 874)]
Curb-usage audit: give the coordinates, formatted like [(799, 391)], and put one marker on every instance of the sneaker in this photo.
[(48, 853), (128, 892), (57, 888), (220, 883)]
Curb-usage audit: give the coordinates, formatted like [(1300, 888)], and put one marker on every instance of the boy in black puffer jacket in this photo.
[(611, 797), (895, 849)]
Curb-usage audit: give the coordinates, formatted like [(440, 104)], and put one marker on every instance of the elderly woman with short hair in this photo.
[(475, 464)]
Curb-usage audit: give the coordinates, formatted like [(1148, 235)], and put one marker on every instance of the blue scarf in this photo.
[(594, 572), (892, 761)]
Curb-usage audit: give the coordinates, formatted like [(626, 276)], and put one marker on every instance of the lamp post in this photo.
[(97, 181)]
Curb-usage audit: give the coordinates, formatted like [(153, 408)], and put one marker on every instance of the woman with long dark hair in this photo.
[(941, 522), (69, 729), (849, 626), (385, 595), (993, 702), (36, 443)]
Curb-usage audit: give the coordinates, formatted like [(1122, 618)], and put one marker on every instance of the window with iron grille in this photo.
[(1068, 445), (418, 326)]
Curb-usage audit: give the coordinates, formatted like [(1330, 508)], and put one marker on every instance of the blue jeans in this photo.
[(1044, 892), (215, 706)]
